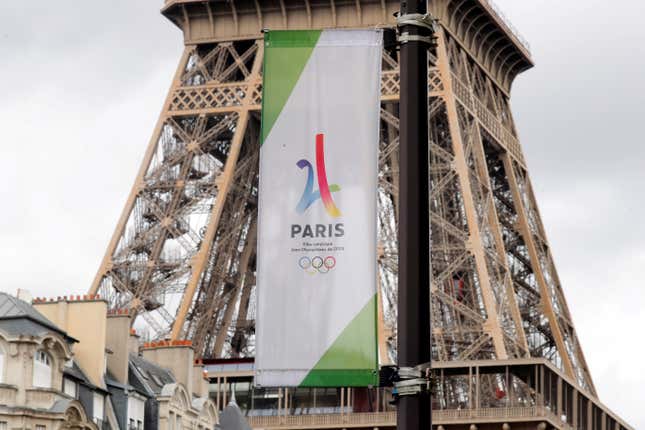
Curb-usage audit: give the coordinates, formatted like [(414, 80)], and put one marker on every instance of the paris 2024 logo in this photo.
[(318, 264)]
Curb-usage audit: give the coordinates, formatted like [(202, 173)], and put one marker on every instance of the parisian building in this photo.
[(68, 363)]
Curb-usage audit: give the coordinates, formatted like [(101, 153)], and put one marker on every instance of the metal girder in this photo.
[(492, 325)]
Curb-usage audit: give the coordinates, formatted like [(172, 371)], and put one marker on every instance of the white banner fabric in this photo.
[(316, 283)]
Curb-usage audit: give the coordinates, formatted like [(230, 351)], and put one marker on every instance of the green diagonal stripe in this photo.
[(351, 360), (285, 55)]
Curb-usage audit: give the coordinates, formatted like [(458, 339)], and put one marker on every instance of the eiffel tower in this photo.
[(183, 255)]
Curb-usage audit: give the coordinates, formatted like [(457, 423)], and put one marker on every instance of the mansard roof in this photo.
[(147, 377), (18, 317)]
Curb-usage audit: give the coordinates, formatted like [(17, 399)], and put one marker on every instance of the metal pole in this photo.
[(414, 218)]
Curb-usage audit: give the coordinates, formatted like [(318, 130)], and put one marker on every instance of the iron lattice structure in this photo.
[(183, 254)]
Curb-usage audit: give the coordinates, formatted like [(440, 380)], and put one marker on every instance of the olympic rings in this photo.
[(317, 264), (304, 263)]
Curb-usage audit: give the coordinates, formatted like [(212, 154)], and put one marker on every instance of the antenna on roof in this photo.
[(24, 295)]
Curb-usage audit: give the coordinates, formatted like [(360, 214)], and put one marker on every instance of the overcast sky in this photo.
[(82, 84)]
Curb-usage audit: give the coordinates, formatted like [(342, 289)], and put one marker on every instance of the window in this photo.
[(136, 410), (41, 427), (133, 426), (42, 370), (3, 425), (142, 372), (70, 387), (156, 380), (178, 425), (97, 409), (171, 421), (2, 374)]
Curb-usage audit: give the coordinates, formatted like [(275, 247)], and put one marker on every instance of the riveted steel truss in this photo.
[(183, 254)]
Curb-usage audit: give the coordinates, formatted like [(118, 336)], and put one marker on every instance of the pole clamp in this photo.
[(406, 37), (409, 381), (423, 21), (426, 21)]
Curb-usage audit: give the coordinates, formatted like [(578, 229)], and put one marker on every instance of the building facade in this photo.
[(67, 363), (41, 386), (155, 386)]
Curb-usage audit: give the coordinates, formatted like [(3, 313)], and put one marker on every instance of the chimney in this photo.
[(176, 355), (200, 379), (83, 318), (133, 342), (117, 340)]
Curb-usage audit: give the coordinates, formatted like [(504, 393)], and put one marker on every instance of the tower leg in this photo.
[(492, 325)]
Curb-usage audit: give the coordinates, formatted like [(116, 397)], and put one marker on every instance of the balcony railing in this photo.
[(496, 11), (388, 419), (376, 419)]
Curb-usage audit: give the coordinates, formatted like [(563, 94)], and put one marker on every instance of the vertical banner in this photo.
[(316, 318)]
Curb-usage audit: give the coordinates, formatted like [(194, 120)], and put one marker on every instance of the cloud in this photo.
[(578, 114), (83, 84)]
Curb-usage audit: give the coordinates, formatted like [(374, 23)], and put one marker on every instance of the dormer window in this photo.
[(70, 388), (42, 377), (98, 405)]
